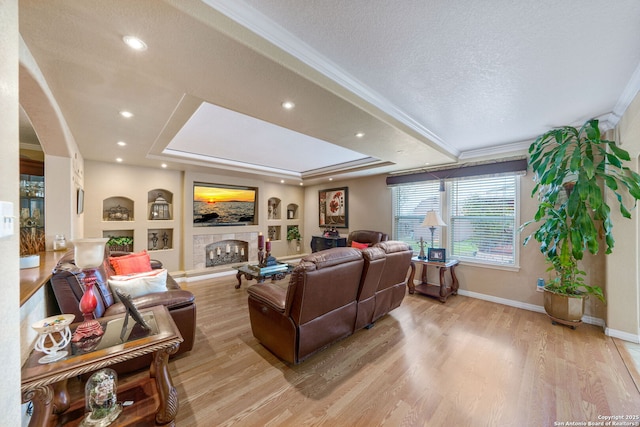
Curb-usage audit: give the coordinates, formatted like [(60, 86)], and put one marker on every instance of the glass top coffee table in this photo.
[(251, 272), (46, 384)]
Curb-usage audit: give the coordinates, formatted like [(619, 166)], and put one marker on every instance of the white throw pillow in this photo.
[(140, 283)]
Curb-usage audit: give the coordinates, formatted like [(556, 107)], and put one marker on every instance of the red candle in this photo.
[(260, 241), (268, 245)]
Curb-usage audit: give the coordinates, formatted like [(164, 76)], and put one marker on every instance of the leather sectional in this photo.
[(331, 294)]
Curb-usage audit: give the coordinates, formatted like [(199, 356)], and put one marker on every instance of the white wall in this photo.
[(10, 396)]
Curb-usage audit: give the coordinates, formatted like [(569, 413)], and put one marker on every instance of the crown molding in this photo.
[(628, 94), (289, 43), (497, 150)]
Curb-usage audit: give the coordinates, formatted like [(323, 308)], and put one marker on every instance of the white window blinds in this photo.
[(411, 204), (482, 219)]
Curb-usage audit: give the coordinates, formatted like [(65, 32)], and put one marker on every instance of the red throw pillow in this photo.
[(359, 245), (139, 262)]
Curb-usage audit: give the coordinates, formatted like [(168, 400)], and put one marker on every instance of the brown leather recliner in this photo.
[(316, 309), (366, 236), (331, 294), (180, 303)]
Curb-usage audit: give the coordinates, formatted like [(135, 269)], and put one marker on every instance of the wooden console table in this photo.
[(441, 291), (156, 399), (320, 243)]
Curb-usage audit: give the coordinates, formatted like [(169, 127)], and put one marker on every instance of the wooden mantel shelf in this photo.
[(32, 279)]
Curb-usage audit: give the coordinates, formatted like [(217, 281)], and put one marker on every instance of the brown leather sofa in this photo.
[(180, 303), (366, 236), (331, 294)]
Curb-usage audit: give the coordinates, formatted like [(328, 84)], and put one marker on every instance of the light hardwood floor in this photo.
[(463, 363)]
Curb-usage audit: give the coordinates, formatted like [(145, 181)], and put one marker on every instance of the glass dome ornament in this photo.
[(101, 401)]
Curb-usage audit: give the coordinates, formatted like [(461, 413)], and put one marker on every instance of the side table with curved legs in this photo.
[(441, 290)]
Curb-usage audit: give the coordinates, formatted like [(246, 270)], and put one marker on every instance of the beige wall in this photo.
[(9, 184), (105, 180), (288, 194), (369, 206), (622, 270)]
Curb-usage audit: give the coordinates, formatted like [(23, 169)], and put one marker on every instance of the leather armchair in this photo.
[(366, 236), (68, 292), (315, 310)]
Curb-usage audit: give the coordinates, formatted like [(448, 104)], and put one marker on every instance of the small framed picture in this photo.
[(436, 254)]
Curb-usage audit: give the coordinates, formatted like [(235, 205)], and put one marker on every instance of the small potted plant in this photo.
[(572, 170), (293, 233), (120, 243), (32, 242)]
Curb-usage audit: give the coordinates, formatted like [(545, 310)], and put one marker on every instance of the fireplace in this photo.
[(226, 252), (214, 250)]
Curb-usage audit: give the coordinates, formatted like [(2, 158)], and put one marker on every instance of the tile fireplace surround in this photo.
[(201, 241)]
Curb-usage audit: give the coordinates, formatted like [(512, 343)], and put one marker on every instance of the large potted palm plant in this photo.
[(572, 170)]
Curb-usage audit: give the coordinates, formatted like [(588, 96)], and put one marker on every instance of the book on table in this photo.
[(270, 268)]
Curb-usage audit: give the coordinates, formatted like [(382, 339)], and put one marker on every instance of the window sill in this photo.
[(515, 268)]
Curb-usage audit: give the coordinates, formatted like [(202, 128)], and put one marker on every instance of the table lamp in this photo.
[(433, 220), (88, 254)]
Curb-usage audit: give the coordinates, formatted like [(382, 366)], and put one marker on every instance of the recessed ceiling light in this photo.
[(427, 163), (164, 165), (119, 160), (359, 134), (301, 184), (121, 143), (134, 43), (126, 114), (288, 105), (330, 179), (282, 181)]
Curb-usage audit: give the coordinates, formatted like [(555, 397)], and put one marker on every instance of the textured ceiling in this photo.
[(426, 81)]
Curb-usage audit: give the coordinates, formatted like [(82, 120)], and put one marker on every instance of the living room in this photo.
[(69, 166)]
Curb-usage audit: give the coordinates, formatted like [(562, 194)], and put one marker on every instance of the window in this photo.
[(481, 216), (482, 219), (411, 204)]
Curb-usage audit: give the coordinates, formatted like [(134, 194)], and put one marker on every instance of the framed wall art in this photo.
[(436, 255), (334, 207)]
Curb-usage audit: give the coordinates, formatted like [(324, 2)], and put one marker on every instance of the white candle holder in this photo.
[(54, 336)]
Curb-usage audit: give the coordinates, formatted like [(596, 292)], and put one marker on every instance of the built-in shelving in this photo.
[(160, 204), (273, 206), (160, 239), (117, 209)]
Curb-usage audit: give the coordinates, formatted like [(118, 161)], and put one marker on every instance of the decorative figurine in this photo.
[(165, 240), (421, 255)]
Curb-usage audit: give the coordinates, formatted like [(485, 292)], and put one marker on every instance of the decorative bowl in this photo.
[(53, 323)]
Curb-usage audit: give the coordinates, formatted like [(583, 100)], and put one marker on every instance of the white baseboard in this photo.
[(622, 335), (525, 306)]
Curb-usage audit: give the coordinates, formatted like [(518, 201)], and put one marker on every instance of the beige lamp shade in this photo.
[(433, 219)]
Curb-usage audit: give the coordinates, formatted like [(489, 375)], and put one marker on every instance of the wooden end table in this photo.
[(441, 291), (45, 385), (252, 274)]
